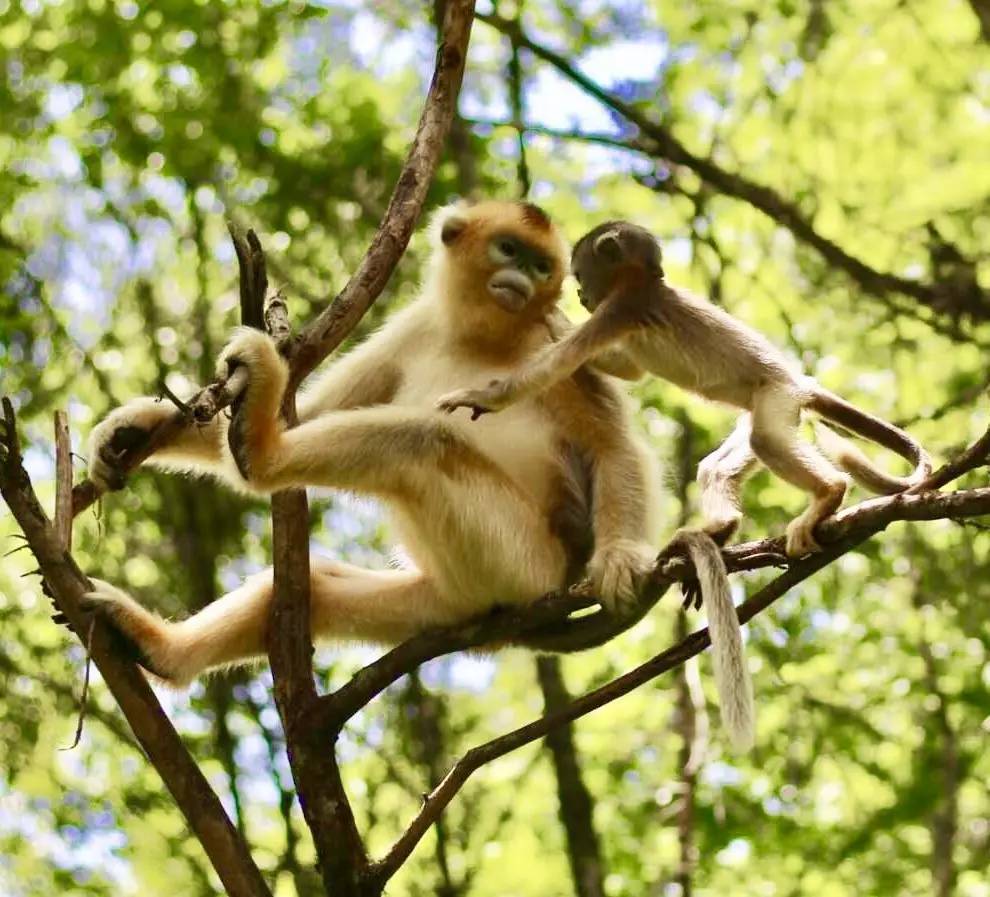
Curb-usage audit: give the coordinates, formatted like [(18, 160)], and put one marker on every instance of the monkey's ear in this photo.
[(609, 246), (453, 226)]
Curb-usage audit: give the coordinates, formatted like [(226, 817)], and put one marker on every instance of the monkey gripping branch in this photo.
[(311, 721)]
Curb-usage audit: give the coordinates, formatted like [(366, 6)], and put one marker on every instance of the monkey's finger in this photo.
[(477, 411)]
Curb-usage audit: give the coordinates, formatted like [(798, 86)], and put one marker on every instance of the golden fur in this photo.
[(492, 513)]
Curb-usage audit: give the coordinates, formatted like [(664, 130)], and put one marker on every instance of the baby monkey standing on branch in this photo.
[(640, 324)]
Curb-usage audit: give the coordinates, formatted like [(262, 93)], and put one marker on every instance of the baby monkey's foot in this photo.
[(801, 530), (801, 538), (481, 400)]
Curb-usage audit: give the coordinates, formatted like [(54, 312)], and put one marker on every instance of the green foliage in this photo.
[(129, 132)]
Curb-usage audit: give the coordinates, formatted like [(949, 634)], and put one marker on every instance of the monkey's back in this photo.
[(699, 347)]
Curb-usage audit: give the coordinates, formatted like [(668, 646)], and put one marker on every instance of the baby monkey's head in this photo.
[(610, 252)]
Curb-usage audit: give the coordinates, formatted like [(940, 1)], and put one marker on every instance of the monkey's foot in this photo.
[(125, 428), (618, 570), (141, 635), (254, 422), (801, 538)]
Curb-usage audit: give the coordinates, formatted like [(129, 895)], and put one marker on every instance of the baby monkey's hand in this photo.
[(492, 397)]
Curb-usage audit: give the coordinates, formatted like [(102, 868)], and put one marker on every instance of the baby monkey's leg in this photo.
[(776, 417), (720, 477)]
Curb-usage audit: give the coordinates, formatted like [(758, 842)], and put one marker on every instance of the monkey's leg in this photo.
[(776, 417), (347, 603), (720, 477)]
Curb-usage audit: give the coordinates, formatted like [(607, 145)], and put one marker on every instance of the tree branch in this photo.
[(198, 803), (856, 526), (659, 141), (340, 850), (325, 333)]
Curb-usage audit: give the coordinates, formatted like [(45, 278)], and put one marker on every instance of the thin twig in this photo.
[(977, 455), (84, 694), (63, 481)]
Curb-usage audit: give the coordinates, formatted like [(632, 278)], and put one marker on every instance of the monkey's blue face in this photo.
[(520, 268)]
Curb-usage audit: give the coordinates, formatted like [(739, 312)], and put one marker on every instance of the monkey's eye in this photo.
[(507, 248), (542, 267)]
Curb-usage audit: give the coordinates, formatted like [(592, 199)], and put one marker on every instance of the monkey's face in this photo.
[(607, 253), (504, 253), (594, 271), (519, 270)]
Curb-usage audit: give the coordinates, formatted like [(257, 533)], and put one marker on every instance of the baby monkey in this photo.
[(639, 323)]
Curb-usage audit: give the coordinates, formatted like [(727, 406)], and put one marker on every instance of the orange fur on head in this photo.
[(462, 266)]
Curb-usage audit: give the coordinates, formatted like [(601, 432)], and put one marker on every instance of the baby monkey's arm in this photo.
[(595, 341)]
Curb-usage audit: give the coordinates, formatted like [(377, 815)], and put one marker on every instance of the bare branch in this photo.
[(548, 625), (977, 455), (63, 481), (856, 525), (324, 334), (327, 331)]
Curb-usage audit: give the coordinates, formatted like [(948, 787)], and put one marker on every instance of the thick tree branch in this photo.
[(548, 623), (199, 804), (340, 850), (660, 142)]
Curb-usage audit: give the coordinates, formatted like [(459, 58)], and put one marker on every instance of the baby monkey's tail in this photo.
[(851, 459), (735, 688)]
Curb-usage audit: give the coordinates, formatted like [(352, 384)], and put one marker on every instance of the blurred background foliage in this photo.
[(130, 132)]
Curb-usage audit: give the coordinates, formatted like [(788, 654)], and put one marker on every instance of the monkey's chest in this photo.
[(521, 440)]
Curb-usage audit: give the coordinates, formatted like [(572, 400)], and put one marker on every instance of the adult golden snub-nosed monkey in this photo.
[(497, 513)]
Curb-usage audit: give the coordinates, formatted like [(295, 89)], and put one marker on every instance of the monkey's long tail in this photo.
[(735, 688), (851, 459)]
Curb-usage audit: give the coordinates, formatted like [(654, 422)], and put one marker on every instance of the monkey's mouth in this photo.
[(512, 290)]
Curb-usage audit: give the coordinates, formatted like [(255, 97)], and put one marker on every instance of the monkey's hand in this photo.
[(125, 428), (141, 636), (493, 397), (618, 571)]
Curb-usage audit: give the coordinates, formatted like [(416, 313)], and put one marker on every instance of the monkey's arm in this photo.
[(367, 376), (612, 361), (364, 377), (617, 363), (555, 363)]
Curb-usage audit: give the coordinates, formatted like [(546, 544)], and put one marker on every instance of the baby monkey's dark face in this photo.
[(610, 252)]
